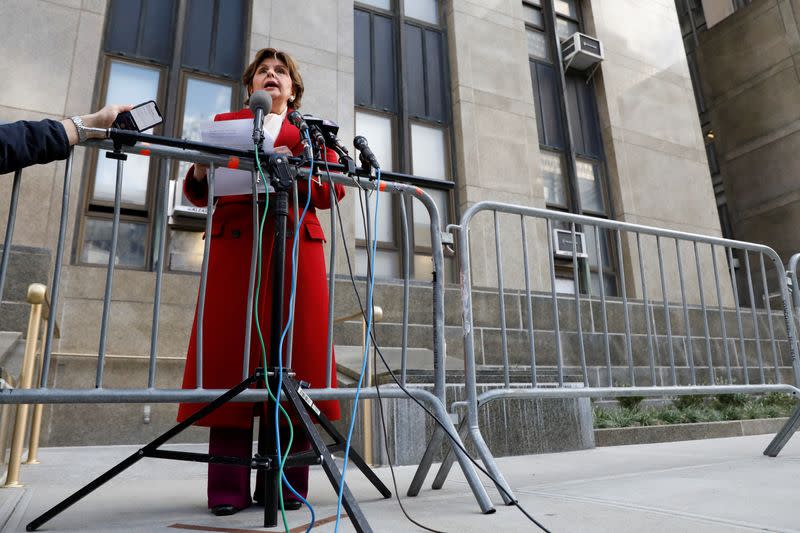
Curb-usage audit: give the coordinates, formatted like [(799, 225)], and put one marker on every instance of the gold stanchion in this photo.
[(36, 295), (377, 316), (36, 420), (7, 382)]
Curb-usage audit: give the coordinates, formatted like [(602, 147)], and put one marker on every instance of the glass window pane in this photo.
[(537, 44), (185, 251), (204, 99), (127, 84), (532, 15), (378, 131), (229, 47), (428, 152), (130, 244), (383, 4), (197, 41), (426, 10), (422, 221), (565, 28), (553, 177), (590, 186), (157, 30), (363, 57), (121, 31), (387, 264), (566, 7), (546, 98), (591, 246), (565, 286), (434, 69), (383, 61), (610, 284), (414, 70)]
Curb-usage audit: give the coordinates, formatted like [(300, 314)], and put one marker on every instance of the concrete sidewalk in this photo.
[(716, 485)]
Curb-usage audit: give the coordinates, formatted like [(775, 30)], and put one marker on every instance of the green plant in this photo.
[(688, 401), (781, 399), (646, 417), (738, 399), (630, 402), (672, 415)]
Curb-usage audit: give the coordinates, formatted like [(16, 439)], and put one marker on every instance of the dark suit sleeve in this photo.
[(26, 143)]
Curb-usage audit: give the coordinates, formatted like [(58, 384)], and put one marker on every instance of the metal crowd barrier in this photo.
[(151, 394), (739, 348)]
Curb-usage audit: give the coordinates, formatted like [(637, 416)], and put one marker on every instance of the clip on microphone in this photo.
[(366, 157), (260, 105)]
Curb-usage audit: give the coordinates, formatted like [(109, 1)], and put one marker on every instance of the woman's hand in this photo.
[(282, 150), (200, 171)]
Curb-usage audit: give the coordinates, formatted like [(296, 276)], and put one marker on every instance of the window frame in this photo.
[(173, 81), (402, 120)]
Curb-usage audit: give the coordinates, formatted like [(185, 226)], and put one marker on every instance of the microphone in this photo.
[(296, 120), (362, 145), (260, 105)]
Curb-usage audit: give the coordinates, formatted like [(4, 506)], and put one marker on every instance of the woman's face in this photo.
[(272, 75)]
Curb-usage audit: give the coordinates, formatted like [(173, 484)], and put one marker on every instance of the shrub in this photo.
[(738, 399), (689, 401), (781, 399), (671, 415), (646, 417), (630, 402)]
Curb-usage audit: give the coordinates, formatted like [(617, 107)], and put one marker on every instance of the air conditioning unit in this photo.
[(563, 245), (581, 52), (179, 206)]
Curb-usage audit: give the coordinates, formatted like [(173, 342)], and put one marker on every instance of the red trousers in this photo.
[(231, 484)]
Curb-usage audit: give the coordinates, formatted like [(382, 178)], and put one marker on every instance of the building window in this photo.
[(185, 52), (402, 107), (571, 153)]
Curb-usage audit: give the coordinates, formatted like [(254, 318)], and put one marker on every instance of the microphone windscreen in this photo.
[(360, 142), (260, 100)]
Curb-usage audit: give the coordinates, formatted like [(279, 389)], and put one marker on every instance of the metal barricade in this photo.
[(100, 393), (677, 325)]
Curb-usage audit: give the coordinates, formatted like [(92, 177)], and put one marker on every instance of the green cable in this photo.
[(263, 345)]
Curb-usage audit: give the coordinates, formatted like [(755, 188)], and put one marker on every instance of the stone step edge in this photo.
[(680, 432)]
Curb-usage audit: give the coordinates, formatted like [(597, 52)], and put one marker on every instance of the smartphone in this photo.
[(140, 118)]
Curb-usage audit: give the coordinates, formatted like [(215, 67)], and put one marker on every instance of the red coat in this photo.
[(226, 294)]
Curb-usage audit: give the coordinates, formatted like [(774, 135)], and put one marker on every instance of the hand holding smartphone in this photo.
[(140, 118)]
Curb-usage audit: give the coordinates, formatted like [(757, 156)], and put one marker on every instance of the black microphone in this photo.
[(332, 141), (260, 105), (296, 120), (362, 145)]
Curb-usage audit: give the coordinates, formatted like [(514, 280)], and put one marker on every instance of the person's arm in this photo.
[(99, 119), (25, 143)]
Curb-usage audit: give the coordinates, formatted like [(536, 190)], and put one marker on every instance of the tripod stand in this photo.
[(281, 177)]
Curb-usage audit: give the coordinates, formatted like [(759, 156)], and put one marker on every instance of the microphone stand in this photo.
[(282, 172)]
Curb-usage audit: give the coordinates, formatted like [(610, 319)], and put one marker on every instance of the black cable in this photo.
[(363, 314), (394, 377)]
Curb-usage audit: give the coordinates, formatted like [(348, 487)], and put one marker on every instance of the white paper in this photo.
[(236, 134)]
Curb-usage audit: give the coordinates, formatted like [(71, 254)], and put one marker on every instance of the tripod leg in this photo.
[(87, 489), (143, 452), (271, 478), (354, 455), (350, 504)]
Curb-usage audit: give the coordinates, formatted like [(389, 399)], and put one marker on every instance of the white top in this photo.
[(273, 123)]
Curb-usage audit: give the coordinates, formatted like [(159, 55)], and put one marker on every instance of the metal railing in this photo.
[(682, 321), (99, 392)]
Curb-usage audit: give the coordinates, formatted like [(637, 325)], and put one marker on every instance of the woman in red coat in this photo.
[(226, 296)]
